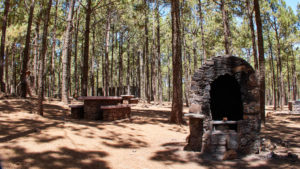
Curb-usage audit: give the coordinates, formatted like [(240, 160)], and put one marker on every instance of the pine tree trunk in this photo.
[(159, 79), (138, 63), (42, 58), (273, 73), (202, 35), (2, 48), (65, 73), (147, 88), (24, 85), (279, 63), (176, 114), (76, 91), (6, 70), (227, 34), (52, 71), (260, 41), (14, 71), (128, 68), (143, 74), (85, 73), (153, 60), (294, 76), (36, 54), (120, 90), (108, 22), (92, 62), (112, 62), (249, 13)]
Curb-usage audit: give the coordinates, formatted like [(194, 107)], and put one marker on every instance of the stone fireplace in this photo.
[(224, 113)]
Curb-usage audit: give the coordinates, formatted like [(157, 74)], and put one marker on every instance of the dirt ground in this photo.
[(147, 140)]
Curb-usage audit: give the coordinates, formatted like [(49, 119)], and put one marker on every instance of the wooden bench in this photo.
[(134, 101), (115, 112), (77, 111)]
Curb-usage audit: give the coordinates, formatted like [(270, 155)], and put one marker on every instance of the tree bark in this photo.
[(153, 62), (249, 13), (121, 64), (2, 48), (261, 59), (36, 54), (128, 68), (76, 91), (202, 33), (159, 80), (108, 22), (24, 85), (65, 73), (227, 34), (85, 73), (42, 58), (14, 71), (52, 71), (147, 88), (176, 114), (273, 73)]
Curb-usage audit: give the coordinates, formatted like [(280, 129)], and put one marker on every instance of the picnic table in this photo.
[(92, 105), (127, 97)]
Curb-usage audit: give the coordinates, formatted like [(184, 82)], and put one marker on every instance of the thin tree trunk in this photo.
[(147, 88), (52, 77), (42, 58), (76, 91), (143, 74), (176, 114), (249, 13), (294, 76), (202, 34), (260, 41), (153, 60), (273, 73), (138, 63), (112, 62), (2, 48), (6, 70), (92, 80), (159, 80), (108, 22), (85, 74), (227, 34), (282, 93), (36, 54), (65, 73), (121, 65), (14, 71), (128, 68)]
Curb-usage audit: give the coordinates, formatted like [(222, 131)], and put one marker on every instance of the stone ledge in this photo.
[(193, 115)]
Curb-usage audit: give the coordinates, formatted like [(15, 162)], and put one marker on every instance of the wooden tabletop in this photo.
[(99, 98)]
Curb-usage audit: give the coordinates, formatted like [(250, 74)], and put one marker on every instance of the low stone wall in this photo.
[(116, 112), (296, 107), (77, 111)]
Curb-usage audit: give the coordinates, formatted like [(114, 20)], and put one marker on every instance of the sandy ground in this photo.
[(147, 140)]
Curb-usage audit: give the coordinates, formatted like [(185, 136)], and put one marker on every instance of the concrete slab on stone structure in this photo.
[(193, 115)]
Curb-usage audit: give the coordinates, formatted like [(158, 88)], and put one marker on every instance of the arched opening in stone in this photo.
[(226, 99)]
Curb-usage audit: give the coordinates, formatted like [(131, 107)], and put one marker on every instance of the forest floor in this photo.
[(147, 140)]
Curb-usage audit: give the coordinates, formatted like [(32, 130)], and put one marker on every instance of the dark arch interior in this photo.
[(226, 99)]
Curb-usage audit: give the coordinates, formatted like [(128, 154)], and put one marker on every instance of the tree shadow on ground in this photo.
[(278, 132), (63, 158)]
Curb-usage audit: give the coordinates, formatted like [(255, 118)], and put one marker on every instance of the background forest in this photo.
[(109, 47)]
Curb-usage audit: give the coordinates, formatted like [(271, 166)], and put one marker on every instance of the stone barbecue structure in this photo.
[(224, 114), (295, 107)]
